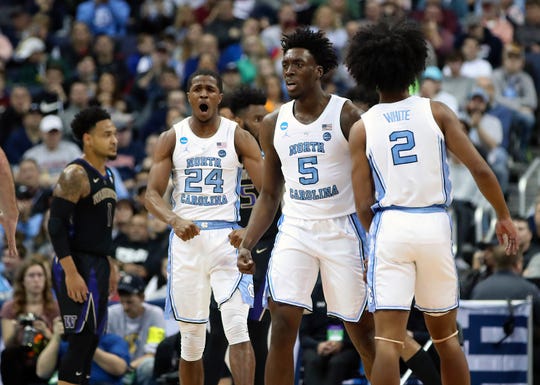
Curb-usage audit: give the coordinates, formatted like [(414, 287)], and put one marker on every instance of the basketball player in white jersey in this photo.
[(402, 191), (307, 165), (205, 153)]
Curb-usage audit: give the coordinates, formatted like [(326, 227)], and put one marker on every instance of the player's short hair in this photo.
[(205, 72), (86, 120), (388, 56), (316, 42)]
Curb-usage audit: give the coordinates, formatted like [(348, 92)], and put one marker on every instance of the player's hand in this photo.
[(185, 230), (76, 287), (245, 262), (9, 225), (507, 235), (236, 237)]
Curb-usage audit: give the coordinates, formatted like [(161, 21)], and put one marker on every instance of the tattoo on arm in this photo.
[(72, 184)]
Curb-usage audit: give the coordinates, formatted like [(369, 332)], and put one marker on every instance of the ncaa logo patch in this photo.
[(284, 126), (327, 136), (222, 153), (183, 140)]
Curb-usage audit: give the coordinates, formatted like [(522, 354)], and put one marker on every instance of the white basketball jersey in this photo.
[(407, 153), (206, 174), (316, 165)]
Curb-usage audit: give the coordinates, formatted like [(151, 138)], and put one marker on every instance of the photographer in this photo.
[(27, 322)]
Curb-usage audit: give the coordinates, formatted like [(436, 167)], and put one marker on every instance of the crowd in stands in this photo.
[(133, 58)]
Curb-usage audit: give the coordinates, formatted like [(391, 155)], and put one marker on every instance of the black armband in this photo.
[(61, 212)]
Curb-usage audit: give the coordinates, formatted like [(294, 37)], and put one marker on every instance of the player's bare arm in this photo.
[(72, 185), (8, 204), (460, 145), (158, 180), (249, 154), (350, 114), (269, 199), (362, 181)]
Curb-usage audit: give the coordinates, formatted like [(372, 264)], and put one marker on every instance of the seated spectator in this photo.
[(12, 117), (109, 17), (528, 248), (53, 153), (111, 358), (140, 324), (487, 134), (27, 322), (25, 136), (132, 251), (514, 88), (431, 87), (482, 267), (10, 264)]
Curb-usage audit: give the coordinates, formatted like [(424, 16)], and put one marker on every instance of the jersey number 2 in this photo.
[(402, 146), (195, 175)]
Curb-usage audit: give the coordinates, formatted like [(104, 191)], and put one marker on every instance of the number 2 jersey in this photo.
[(316, 165), (206, 174), (407, 154)]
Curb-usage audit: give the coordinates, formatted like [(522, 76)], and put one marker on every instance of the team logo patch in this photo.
[(222, 153), (327, 136), (70, 321), (183, 140), (284, 126), (326, 126)]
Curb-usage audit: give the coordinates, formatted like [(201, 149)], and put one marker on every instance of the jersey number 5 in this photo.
[(195, 175), (305, 167), (402, 146)]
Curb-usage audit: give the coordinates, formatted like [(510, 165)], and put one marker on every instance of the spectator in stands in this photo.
[(431, 87), (77, 46), (53, 153), (439, 34), (30, 60), (140, 324), (490, 45), (24, 137), (27, 322), (125, 209), (109, 60), (506, 283), (108, 17), (78, 100), (52, 95), (12, 118), (287, 23), (130, 151), (515, 89), (495, 19), (453, 81), (326, 19), (474, 65), (227, 28), (482, 267), (109, 95), (110, 363), (131, 252), (528, 34), (205, 44), (157, 121), (55, 10), (86, 72), (10, 264), (156, 15), (527, 248), (500, 111), (486, 133)]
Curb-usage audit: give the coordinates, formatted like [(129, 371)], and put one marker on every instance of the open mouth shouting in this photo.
[(203, 107)]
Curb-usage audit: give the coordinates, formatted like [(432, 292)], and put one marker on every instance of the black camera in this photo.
[(29, 332)]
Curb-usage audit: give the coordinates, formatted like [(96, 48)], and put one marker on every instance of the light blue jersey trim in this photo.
[(424, 210), (168, 300), (243, 284), (238, 194), (446, 182), (375, 227), (362, 236), (426, 310)]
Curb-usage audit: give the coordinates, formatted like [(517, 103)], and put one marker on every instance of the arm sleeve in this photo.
[(59, 222)]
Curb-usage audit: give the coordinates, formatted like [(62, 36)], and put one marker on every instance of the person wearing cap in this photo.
[(24, 137), (515, 89), (53, 153), (486, 133), (142, 325), (32, 56), (431, 87)]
